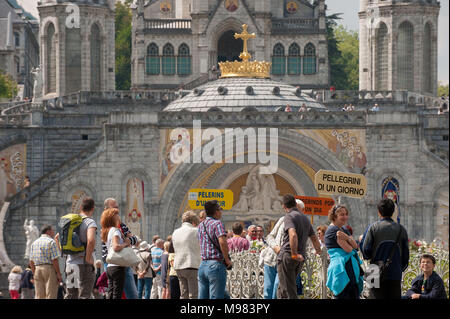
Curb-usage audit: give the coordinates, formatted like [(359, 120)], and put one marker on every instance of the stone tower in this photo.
[(398, 47), (77, 46)]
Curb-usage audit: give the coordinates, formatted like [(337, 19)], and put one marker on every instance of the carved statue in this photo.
[(37, 89), (259, 193), (32, 233)]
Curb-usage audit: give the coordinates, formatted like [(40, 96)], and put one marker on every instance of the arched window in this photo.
[(309, 59), (184, 60), (96, 58), (168, 60), (152, 61), (405, 57), (51, 59), (278, 60), (294, 60), (427, 60), (382, 46)]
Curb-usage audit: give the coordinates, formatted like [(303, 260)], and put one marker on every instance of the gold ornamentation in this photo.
[(246, 68)]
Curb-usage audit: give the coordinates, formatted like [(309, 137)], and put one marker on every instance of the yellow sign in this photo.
[(340, 183), (198, 197)]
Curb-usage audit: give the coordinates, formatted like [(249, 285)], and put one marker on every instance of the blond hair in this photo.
[(16, 269), (190, 217)]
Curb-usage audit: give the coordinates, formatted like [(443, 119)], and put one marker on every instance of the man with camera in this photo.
[(212, 236)]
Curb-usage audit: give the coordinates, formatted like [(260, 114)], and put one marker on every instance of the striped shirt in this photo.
[(125, 232), (44, 250), (215, 229), (156, 258)]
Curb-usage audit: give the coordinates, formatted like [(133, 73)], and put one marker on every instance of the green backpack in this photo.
[(69, 234)]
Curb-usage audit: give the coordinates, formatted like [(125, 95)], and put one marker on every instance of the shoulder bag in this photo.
[(124, 258)]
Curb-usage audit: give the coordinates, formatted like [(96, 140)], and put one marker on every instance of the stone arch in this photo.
[(228, 24), (96, 48), (405, 56), (382, 57), (428, 58), (50, 55), (291, 143), (69, 191)]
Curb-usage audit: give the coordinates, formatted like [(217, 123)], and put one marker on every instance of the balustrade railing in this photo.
[(167, 24), (286, 25), (405, 97), (246, 279)]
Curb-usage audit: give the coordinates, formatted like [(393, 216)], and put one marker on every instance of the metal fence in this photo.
[(246, 279)]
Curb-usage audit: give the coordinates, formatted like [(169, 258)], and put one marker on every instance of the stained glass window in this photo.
[(184, 60), (168, 60), (294, 60)]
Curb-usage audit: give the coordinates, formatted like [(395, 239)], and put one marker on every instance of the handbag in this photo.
[(124, 258)]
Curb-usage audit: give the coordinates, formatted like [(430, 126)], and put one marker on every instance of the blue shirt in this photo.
[(156, 258)]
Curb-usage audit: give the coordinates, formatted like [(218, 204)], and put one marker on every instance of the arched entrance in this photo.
[(229, 48)]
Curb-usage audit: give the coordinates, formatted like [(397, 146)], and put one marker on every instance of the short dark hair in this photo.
[(386, 207), (237, 228), (45, 229), (211, 207), (289, 201), (428, 256), (87, 205), (171, 249)]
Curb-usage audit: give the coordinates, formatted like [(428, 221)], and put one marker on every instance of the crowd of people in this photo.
[(192, 263)]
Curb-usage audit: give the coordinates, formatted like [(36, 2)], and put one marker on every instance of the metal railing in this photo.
[(246, 279)]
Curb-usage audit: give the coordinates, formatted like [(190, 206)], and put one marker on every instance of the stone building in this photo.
[(103, 143), (177, 42), (398, 45), (77, 46), (19, 45)]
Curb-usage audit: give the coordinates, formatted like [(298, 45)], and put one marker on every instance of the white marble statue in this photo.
[(37, 88), (32, 233)]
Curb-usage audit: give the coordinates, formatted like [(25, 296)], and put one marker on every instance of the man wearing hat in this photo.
[(212, 273), (144, 270)]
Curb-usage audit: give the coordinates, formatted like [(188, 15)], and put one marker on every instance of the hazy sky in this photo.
[(349, 9)]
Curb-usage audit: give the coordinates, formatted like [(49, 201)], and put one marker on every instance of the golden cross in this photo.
[(245, 36)]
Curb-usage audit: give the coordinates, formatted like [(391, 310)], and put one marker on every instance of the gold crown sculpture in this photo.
[(246, 68)]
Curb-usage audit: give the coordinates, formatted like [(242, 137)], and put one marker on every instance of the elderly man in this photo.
[(44, 264), (187, 255), (130, 288)]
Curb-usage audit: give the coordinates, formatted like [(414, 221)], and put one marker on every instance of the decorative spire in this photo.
[(246, 68)]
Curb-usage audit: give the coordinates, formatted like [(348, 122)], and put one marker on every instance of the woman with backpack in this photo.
[(144, 271)]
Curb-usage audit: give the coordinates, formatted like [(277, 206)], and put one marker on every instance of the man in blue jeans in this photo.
[(212, 236)]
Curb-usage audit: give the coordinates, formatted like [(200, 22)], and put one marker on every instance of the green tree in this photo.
[(442, 89), (343, 54), (348, 45), (123, 45), (8, 87)]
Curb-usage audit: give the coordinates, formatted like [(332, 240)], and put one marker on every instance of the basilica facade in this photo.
[(100, 143)]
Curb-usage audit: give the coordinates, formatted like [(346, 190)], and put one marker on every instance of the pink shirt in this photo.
[(237, 243)]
